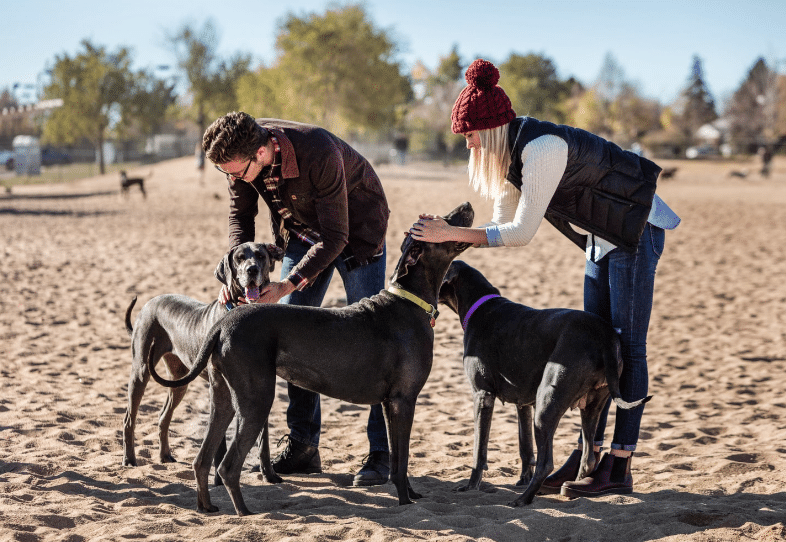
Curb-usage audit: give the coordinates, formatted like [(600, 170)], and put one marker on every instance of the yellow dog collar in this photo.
[(431, 310)]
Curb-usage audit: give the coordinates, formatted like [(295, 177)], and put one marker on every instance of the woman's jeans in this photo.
[(303, 413), (619, 289)]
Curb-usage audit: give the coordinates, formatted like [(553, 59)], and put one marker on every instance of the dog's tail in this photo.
[(205, 352), (613, 365), (129, 327)]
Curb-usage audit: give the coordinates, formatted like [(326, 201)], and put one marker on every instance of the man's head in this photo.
[(235, 136)]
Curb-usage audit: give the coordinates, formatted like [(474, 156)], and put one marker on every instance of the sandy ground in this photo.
[(711, 463)]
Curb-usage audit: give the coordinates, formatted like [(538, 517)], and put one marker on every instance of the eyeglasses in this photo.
[(231, 176)]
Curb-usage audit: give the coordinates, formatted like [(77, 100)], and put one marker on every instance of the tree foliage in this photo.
[(339, 69), (212, 81), (534, 89), (753, 108), (96, 87), (695, 105)]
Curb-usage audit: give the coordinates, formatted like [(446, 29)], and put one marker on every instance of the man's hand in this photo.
[(275, 291)]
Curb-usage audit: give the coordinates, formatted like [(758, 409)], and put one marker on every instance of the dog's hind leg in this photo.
[(221, 414), (526, 444), (264, 457), (251, 419), (590, 417), (136, 389), (548, 412), (483, 410), (399, 414), (174, 396)]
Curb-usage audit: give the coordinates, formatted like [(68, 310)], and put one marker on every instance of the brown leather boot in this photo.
[(567, 472), (611, 476)]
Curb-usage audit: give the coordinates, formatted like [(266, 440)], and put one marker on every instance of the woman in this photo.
[(533, 169)]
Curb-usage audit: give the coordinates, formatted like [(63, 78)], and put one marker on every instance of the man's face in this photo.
[(247, 170)]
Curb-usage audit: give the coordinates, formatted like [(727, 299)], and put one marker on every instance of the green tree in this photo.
[(752, 110), (150, 102), (695, 105), (212, 81), (534, 89), (96, 87), (342, 68)]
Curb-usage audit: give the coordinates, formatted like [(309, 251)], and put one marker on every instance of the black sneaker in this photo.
[(297, 458), (375, 470)]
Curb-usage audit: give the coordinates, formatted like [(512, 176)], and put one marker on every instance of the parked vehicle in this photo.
[(6, 159), (50, 157), (703, 151)]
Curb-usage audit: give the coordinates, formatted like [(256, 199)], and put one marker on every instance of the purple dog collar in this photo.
[(474, 307)]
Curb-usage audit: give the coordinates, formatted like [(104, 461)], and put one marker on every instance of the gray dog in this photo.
[(378, 350), (177, 325), (552, 359)]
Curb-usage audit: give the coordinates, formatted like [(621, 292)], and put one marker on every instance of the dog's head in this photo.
[(247, 267), (438, 255), (447, 292), (123, 175)]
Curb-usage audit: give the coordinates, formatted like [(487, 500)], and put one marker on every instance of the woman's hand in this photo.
[(432, 229)]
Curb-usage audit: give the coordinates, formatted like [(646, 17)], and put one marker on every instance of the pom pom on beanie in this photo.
[(482, 104)]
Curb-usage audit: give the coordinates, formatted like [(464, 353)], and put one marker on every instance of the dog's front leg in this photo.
[(484, 409), (526, 444), (399, 414)]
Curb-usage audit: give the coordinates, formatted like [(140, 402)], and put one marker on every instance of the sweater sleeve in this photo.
[(518, 214)]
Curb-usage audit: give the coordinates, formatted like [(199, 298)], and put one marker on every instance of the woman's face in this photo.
[(473, 140)]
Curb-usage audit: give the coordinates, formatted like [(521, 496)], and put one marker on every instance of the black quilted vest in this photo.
[(605, 190)]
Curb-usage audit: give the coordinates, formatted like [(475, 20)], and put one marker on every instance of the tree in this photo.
[(96, 88), (150, 102), (533, 87), (342, 68), (695, 105), (752, 110), (212, 81)]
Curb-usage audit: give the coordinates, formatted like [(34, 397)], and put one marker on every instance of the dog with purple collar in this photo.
[(543, 361)]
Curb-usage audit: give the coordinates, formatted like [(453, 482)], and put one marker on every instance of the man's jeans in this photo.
[(619, 288), (303, 413)]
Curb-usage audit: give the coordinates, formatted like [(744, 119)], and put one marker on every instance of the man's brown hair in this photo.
[(235, 136)]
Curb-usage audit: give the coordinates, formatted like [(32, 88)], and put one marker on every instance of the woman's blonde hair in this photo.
[(488, 165)]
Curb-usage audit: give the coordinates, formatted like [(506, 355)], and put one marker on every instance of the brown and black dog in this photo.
[(127, 182)]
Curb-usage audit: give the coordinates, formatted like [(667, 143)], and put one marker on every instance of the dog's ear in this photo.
[(275, 251), (222, 268), (276, 254), (452, 272)]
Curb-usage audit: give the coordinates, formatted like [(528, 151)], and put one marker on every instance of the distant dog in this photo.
[(741, 173), (378, 350), (177, 325), (127, 182), (668, 172), (552, 359)]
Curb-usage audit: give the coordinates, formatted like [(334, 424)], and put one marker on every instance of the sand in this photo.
[(711, 463)]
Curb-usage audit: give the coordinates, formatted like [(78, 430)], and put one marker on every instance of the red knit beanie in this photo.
[(482, 104)]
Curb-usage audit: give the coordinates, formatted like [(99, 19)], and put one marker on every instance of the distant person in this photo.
[(534, 169), (401, 144), (765, 154), (328, 212)]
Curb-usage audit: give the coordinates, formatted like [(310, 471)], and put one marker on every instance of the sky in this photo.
[(653, 41)]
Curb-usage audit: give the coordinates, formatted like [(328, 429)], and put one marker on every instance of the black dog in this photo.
[(378, 350), (552, 359), (176, 325), (127, 182)]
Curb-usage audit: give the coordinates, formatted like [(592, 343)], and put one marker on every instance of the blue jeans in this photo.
[(619, 288), (303, 413)]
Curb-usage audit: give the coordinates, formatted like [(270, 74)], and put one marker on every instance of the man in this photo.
[(328, 212)]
